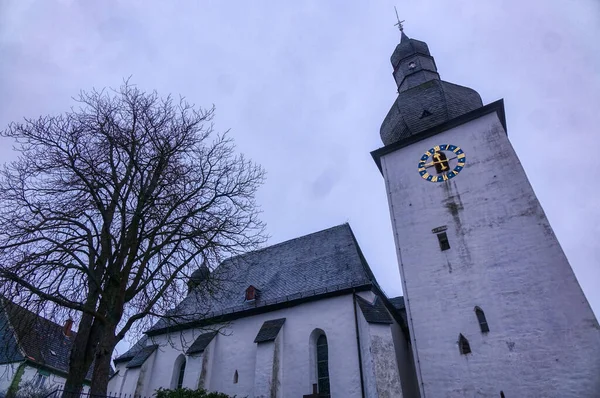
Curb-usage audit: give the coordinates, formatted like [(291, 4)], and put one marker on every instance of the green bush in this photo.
[(187, 393)]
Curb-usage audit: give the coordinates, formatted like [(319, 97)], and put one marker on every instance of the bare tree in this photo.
[(111, 205)]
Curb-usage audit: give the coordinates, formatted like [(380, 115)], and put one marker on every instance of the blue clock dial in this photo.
[(441, 163)]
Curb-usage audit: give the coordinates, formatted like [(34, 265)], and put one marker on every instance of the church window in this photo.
[(443, 240), (178, 372), (235, 377), (323, 366), (441, 162), (482, 321), (181, 374), (463, 345)]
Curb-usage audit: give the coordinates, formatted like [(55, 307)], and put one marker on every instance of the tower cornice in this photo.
[(496, 106)]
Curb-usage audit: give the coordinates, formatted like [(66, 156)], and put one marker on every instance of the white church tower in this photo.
[(493, 306)]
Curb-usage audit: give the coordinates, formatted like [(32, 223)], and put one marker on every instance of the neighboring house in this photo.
[(33, 349), (300, 313)]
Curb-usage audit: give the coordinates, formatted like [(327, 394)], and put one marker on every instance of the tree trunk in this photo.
[(82, 355), (102, 366)]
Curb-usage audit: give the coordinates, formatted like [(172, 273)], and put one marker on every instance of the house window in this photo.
[(40, 380), (181, 374), (483, 325), (443, 240), (441, 162), (463, 345), (322, 367)]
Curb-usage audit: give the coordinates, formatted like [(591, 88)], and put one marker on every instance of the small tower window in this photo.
[(443, 240), (441, 162), (482, 321), (463, 345)]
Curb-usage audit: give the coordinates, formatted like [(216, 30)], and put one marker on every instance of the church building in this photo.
[(491, 306)]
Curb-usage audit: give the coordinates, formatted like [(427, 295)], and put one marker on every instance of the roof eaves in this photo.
[(3, 303), (221, 316), (496, 106)]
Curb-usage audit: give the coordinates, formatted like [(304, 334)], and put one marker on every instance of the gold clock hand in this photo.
[(427, 165)]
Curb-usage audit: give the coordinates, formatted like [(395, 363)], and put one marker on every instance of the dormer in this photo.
[(252, 294)]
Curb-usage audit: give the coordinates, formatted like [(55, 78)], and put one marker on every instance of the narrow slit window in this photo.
[(463, 345), (483, 325), (443, 240)]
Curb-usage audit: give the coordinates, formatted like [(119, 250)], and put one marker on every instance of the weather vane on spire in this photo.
[(399, 24)]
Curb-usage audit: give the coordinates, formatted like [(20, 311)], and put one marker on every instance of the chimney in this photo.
[(67, 327)]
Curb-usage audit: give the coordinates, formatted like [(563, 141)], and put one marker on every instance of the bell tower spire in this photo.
[(424, 100), (493, 306)]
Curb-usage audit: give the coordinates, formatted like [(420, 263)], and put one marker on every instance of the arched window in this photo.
[(322, 366), (482, 321), (178, 372), (235, 377), (502, 394), (441, 162), (181, 374), (463, 345)]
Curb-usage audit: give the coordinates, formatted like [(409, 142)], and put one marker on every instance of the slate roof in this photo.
[(200, 344), (319, 263), (26, 335), (428, 104), (141, 356), (374, 313), (269, 330), (408, 47), (444, 101), (398, 302), (131, 353)]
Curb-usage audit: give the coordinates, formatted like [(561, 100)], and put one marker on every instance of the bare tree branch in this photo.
[(112, 205)]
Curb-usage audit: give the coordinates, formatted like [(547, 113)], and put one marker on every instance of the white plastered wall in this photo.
[(544, 339), (235, 349)]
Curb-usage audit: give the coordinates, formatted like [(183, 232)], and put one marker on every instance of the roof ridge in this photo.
[(285, 242)]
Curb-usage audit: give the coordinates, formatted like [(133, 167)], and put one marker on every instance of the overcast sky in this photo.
[(305, 85)]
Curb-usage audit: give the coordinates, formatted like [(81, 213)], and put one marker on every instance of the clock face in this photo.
[(441, 163)]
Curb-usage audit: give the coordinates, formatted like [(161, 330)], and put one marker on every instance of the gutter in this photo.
[(360, 369)]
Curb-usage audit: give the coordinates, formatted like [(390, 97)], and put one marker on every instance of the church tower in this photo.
[(493, 306)]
